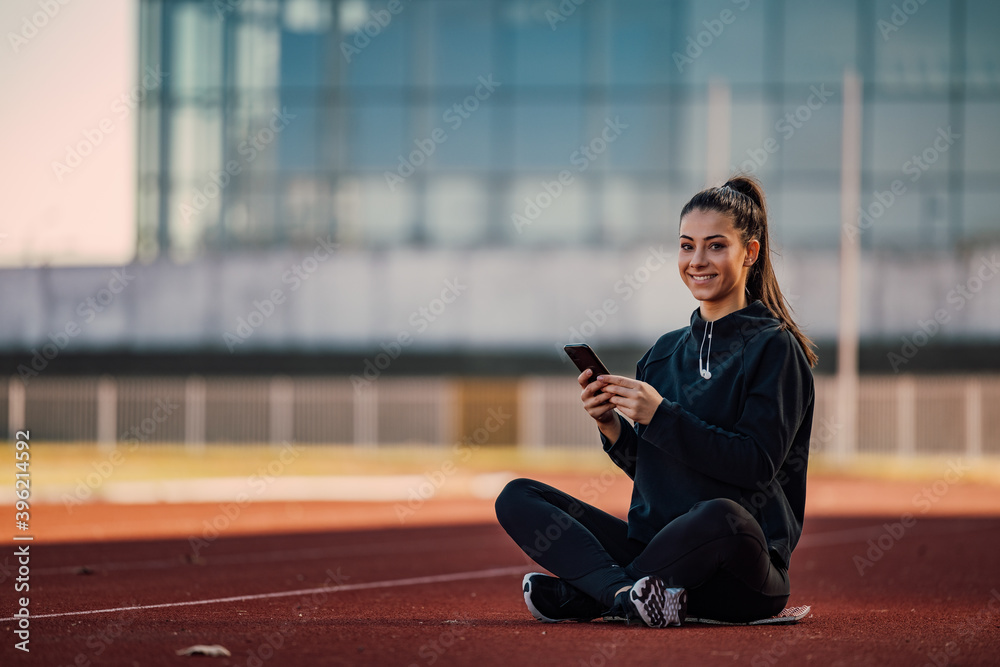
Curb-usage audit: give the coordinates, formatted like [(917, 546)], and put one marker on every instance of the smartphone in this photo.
[(584, 357)]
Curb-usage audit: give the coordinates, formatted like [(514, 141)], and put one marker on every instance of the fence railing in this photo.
[(897, 415)]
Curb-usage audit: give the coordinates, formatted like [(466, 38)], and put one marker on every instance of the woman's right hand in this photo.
[(597, 404)]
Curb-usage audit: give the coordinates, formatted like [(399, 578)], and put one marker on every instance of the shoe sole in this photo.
[(658, 606), (526, 585)]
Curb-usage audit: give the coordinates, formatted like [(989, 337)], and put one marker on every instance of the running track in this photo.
[(450, 595)]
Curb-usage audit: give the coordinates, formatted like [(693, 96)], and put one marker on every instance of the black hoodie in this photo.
[(743, 434)]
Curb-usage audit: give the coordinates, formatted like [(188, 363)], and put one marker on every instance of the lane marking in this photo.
[(412, 581)]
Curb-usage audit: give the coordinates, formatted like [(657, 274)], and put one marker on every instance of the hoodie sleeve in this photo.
[(777, 396)]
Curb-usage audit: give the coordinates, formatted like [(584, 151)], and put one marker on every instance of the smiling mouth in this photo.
[(703, 279)]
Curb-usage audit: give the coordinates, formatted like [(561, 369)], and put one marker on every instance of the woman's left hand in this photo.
[(635, 399)]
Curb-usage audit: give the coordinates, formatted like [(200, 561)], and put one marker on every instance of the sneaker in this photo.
[(552, 600), (651, 602)]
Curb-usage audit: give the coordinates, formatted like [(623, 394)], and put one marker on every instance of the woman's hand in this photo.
[(597, 405), (635, 399)]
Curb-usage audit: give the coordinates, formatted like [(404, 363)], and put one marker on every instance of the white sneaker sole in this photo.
[(658, 606), (526, 587)]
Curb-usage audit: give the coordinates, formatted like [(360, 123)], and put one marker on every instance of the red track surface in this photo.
[(932, 597)]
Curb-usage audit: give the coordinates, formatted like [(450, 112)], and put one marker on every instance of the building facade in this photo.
[(514, 123)]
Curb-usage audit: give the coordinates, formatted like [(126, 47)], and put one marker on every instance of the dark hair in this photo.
[(742, 198)]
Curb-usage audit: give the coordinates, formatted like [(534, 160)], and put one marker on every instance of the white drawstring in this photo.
[(705, 373)]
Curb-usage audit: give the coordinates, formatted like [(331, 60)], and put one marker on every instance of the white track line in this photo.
[(413, 581)]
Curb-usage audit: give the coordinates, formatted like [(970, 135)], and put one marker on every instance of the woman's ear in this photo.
[(753, 248)]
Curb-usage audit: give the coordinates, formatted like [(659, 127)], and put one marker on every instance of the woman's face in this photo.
[(713, 261)]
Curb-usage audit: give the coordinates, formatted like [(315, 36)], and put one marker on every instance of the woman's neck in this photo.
[(713, 310)]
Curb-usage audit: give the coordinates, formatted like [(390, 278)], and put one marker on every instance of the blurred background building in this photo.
[(457, 187)]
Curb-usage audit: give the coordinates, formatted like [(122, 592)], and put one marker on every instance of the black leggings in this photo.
[(717, 551)]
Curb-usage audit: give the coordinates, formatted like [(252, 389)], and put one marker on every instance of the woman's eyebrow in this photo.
[(713, 236)]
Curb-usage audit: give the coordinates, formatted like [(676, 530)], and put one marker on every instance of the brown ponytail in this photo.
[(742, 197)]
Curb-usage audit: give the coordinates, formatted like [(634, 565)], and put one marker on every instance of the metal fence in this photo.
[(897, 415)]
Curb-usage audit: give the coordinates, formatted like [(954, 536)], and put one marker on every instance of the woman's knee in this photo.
[(512, 497), (724, 513)]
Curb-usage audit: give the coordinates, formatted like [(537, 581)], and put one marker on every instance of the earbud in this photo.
[(706, 374)]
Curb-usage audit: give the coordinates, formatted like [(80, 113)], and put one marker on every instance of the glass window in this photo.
[(805, 216), (982, 137), (722, 39), (308, 16), (306, 212), (640, 49), (548, 45), (748, 139), (808, 129), (195, 141), (820, 40), (982, 214), (252, 143), (456, 211), (465, 125), (982, 48), (547, 135), (462, 42), (378, 135), (386, 218), (299, 140), (188, 218), (901, 133), (197, 49), (645, 143), (374, 54), (302, 60), (640, 210), (916, 219), (547, 219), (689, 156), (262, 222), (911, 48), (258, 56)]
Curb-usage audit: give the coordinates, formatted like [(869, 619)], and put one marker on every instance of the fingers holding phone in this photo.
[(595, 400)]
